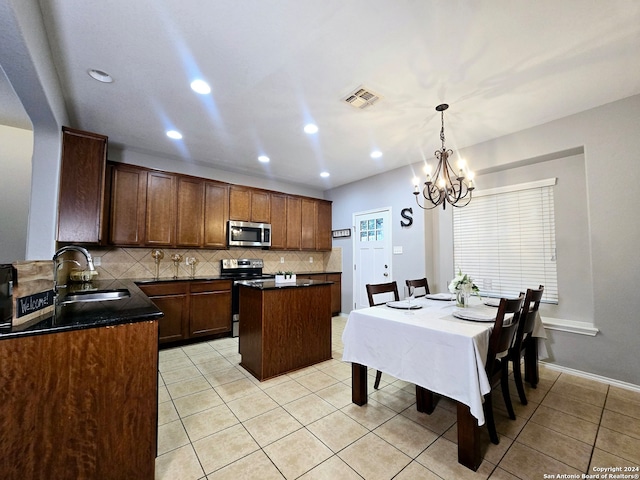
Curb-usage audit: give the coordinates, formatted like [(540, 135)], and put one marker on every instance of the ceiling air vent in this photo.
[(362, 98)]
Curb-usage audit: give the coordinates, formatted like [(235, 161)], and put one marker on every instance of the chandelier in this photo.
[(445, 185)]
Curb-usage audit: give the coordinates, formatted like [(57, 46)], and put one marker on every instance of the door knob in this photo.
[(386, 274)]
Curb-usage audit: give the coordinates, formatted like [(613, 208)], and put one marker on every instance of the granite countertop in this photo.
[(270, 284), (132, 309), (212, 277), (76, 316), (209, 278)]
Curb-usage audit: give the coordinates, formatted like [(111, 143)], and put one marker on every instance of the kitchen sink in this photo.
[(94, 296)]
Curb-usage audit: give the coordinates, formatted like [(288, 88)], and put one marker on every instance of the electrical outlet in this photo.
[(97, 261), (281, 259), (310, 259)]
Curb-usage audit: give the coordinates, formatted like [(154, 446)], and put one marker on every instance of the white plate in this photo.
[(492, 302), (440, 296), (474, 315), (403, 305)]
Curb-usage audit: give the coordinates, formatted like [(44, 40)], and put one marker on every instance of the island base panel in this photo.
[(284, 329)]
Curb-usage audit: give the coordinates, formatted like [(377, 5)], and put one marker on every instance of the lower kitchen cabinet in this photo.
[(210, 309), (173, 299), (336, 292), (80, 404), (191, 309), (336, 288)]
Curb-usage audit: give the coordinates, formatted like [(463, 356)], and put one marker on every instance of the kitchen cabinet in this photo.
[(157, 209), (80, 404), (294, 223), (308, 224), (191, 309), (128, 197), (190, 226), (336, 288), (336, 292), (249, 204), (323, 226), (279, 221), (315, 224), (284, 329), (82, 187), (160, 215), (210, 307), (173, 299), (216, 214)]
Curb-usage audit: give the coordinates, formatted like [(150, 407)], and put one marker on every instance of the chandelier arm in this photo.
[(456, 193), (464, 204), (421, 206), (431, 189)]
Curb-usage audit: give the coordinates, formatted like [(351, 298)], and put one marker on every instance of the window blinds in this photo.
[(505, 240)]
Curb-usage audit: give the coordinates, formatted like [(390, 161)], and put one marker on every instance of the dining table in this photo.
[(425, 342)]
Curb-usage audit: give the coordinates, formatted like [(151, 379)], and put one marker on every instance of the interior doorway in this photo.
[(372, 252)]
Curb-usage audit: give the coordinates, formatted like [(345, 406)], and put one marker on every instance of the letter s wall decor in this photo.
[(406, 214)]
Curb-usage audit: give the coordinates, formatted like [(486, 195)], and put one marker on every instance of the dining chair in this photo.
[(378, 293), (419, 283), (523, 338), (383, 290), (500, 341)]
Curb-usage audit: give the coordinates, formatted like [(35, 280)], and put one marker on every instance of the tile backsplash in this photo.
[(138, 262)]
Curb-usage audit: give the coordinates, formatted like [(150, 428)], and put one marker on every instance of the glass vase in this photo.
[(462, 297)]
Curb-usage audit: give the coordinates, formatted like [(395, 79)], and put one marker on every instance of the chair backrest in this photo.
[(502, 335), (527, 316), (421, 286), (382, 290)]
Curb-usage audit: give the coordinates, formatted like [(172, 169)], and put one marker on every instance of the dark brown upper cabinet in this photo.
[(248, 204), (82, 186)]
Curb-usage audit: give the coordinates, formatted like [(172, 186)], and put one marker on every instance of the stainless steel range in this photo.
[(240, 269)]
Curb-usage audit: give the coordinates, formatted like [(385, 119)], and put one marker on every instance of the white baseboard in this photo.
[(591, 376)]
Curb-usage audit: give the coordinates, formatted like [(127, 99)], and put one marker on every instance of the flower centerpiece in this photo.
[(285, 277), (463, 287)]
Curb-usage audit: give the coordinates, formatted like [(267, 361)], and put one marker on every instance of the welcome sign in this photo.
[(33, 303), (33, 297)]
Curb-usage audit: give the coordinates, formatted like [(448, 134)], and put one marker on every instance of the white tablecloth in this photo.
[(430, 348)]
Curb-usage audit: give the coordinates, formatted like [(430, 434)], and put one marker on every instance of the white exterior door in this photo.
[(372, 252)]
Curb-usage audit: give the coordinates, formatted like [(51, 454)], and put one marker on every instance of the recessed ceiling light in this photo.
[(264, 159), (310, 128), (100, 76), (174, 134), (324, 174), (201, 87), (376, 154)]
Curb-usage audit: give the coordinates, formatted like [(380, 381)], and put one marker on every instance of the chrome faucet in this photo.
[(57, 264)]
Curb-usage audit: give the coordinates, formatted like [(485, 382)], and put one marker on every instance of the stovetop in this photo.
[(242, 268)]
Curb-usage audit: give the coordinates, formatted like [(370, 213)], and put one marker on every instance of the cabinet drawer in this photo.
[(165, 288), (210, 286)]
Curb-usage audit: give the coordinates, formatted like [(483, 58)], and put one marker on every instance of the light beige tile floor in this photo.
[(215, 421)]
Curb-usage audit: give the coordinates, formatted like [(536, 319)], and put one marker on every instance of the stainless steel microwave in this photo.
[(249, 234)]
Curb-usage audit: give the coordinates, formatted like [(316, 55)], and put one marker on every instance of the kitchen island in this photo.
[(80, 390), (284, 327)]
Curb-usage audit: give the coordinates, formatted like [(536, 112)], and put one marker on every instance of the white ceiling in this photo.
[(275, 65)]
